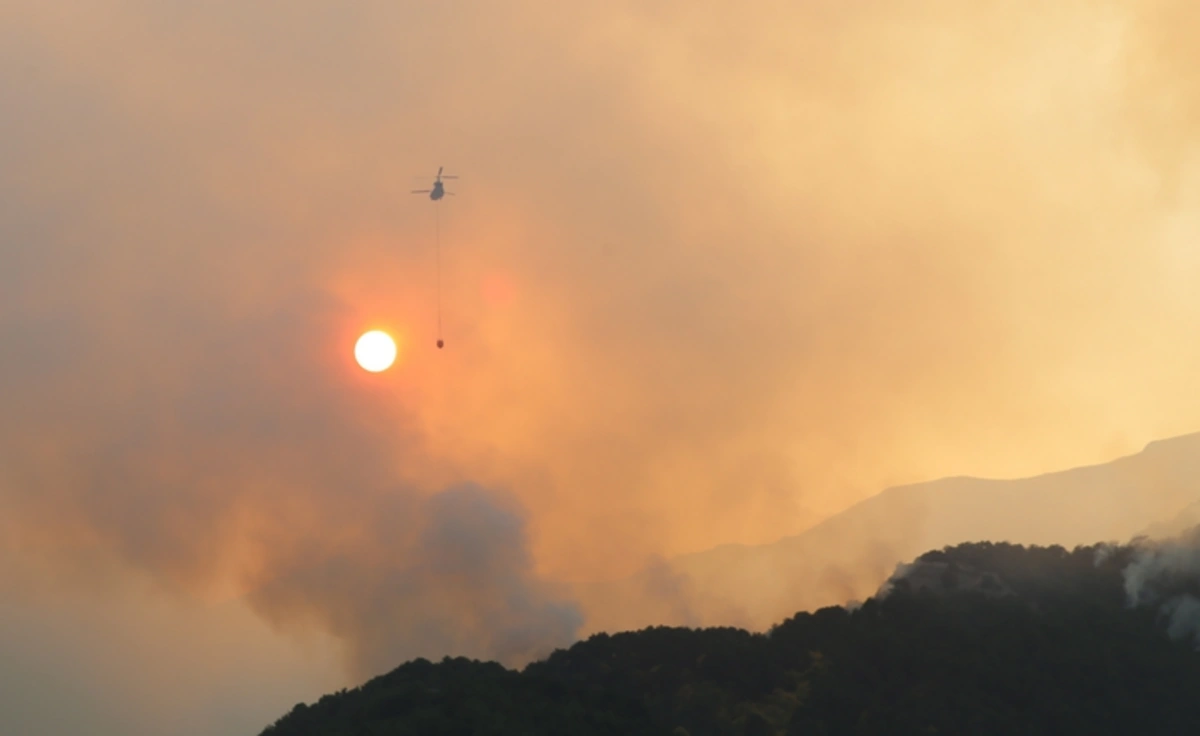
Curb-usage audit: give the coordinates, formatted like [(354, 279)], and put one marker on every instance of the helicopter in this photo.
[(438, 191)]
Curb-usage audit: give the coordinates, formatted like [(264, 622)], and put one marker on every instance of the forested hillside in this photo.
[(975, 639)]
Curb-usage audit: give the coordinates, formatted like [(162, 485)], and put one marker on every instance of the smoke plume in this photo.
[(1166, 573), (277, 473), (462, 583), (712, 276)]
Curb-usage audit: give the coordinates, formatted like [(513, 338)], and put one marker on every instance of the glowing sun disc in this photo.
[(375, 351)]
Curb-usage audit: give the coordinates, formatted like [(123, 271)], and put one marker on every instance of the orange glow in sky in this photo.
[(856, 245)]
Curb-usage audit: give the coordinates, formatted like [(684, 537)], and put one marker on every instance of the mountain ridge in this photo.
[(847, 556), (981, 638)]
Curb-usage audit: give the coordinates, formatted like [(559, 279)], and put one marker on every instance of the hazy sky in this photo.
[(712, 274)]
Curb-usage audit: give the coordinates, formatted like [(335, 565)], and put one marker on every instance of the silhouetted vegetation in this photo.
[(977, 639)]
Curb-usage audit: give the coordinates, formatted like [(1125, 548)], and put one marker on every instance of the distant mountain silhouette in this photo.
[(847, 557)]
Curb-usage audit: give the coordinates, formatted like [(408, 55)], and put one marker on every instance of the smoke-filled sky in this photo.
[(713, 273)]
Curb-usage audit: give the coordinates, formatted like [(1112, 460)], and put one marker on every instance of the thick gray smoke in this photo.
[(242, 454), (462, 584)]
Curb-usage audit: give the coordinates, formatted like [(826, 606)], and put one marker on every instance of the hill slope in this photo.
[(847, 556), (980, 638)]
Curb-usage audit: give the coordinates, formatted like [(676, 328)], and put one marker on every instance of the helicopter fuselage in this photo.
[(437, 192)]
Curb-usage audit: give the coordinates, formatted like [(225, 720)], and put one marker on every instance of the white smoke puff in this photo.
[(1103, 552), (1184, 614), (1155, 563), (903, 570)]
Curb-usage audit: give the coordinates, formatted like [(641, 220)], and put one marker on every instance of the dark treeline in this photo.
[(977, 639)]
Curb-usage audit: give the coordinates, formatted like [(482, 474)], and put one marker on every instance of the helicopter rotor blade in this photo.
[(421, 191)]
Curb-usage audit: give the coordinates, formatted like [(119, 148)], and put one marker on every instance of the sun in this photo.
[(375, 351)]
